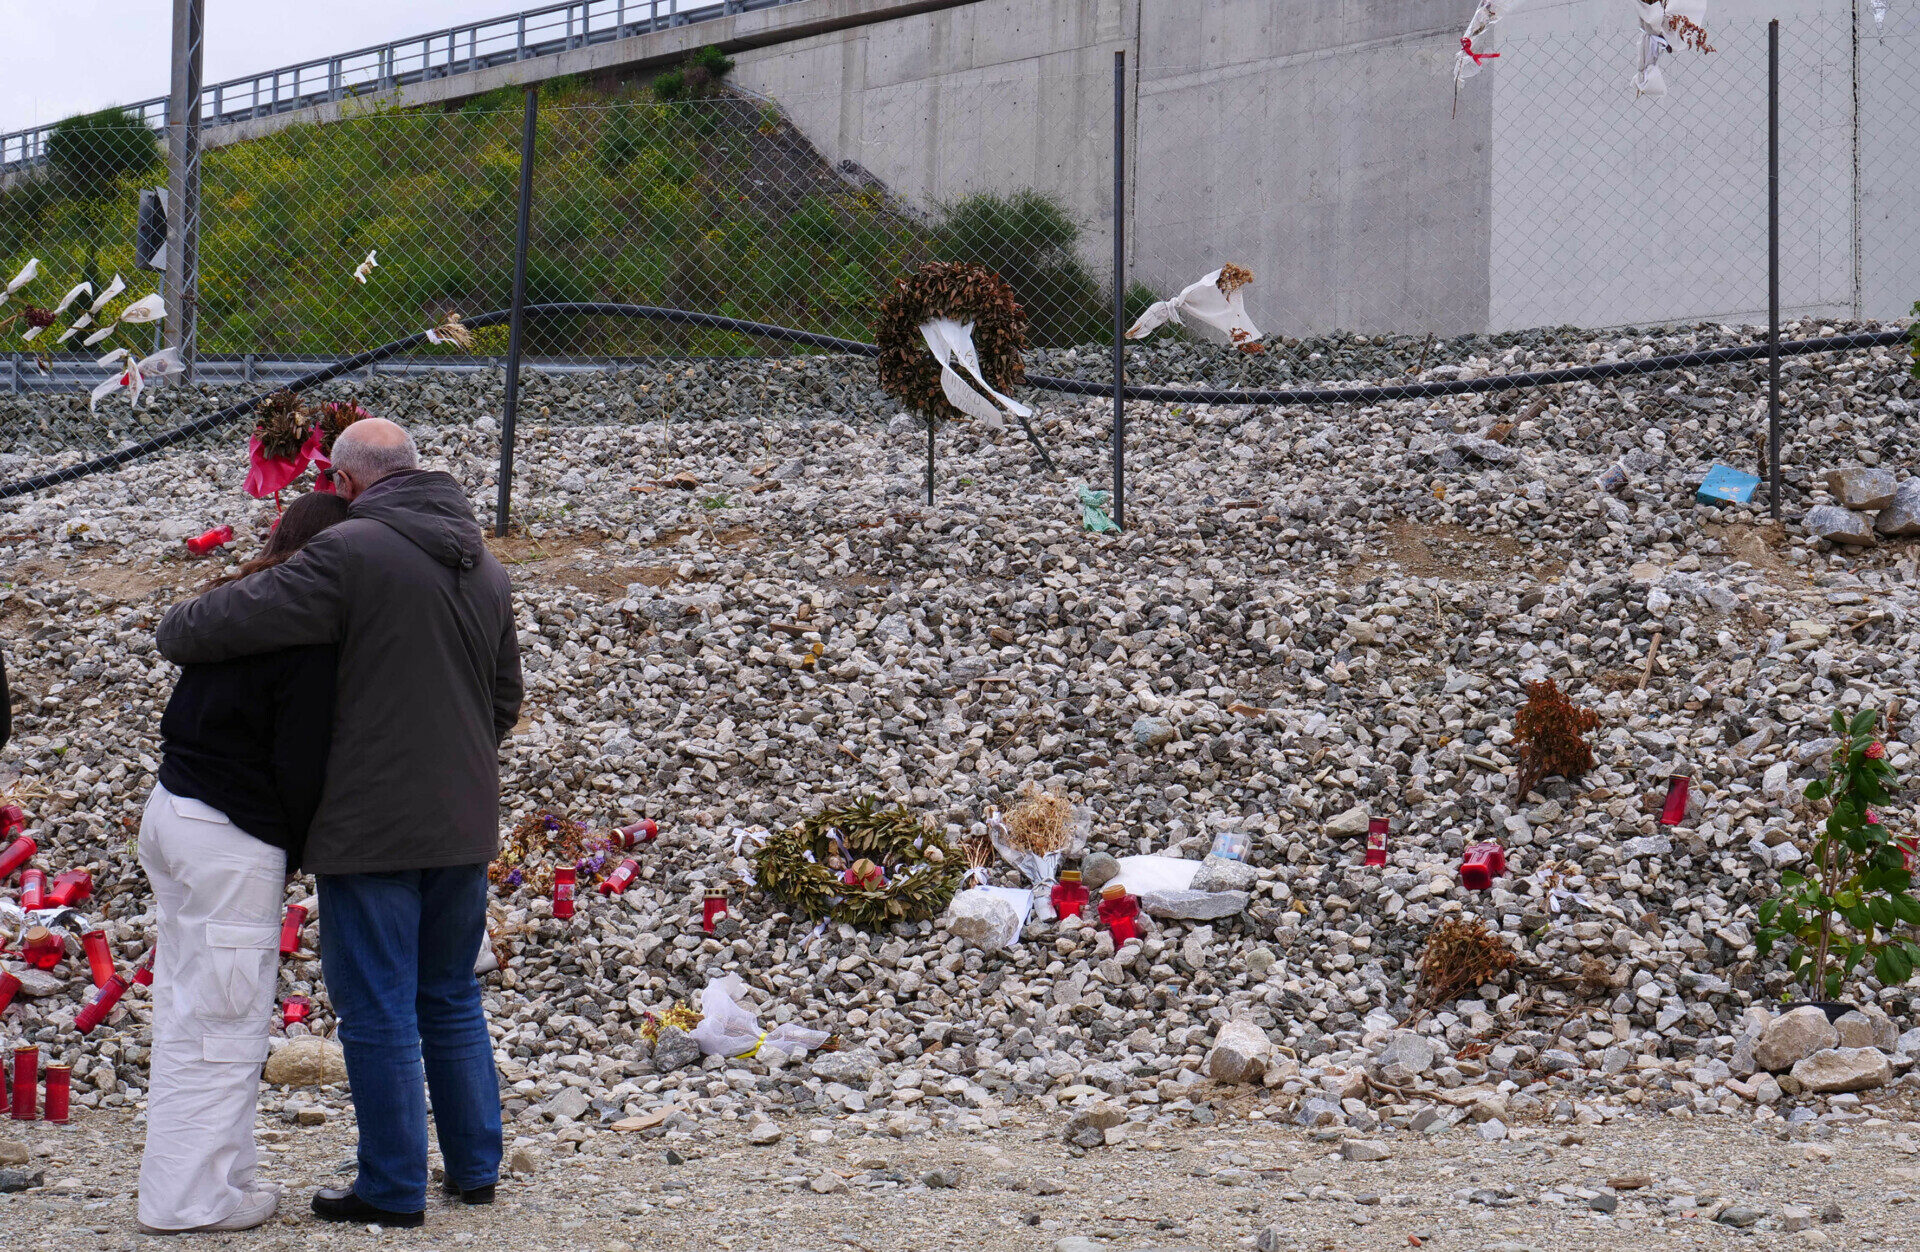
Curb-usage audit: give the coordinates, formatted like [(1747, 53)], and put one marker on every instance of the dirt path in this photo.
[(1016, 1188)]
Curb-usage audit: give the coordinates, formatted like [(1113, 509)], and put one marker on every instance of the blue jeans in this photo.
[(398, 952)]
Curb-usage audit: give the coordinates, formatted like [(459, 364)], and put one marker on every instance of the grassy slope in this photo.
[(717, 205)]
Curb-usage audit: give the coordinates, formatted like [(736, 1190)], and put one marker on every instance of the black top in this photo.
[(250, 738)]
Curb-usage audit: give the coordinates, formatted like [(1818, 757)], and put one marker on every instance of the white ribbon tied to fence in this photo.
[(146, 309), (28, 272), (951, 341), (85, 320), (1662, 24), (1205, 306), (133, 372)]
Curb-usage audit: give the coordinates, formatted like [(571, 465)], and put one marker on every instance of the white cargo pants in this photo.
[(218, 892)]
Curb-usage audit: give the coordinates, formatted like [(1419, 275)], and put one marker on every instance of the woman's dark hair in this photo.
[(304, 518)]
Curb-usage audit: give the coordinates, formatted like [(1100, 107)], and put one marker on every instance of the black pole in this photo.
[(929, 459), (517, 317), (1773, 265), (1119, 289)]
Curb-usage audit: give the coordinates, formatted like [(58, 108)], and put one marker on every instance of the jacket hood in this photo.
[(430, 510)]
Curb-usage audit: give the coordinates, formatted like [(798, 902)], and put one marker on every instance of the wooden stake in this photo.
[(1646, 671)]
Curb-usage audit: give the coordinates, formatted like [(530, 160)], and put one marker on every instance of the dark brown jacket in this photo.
[(429, 678)]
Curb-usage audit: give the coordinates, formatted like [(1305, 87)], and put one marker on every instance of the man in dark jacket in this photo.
[(429, 687)]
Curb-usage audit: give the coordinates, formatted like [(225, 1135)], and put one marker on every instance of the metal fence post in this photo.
[(1775, 478), (1119, 289), (519, 313), (183, 181)]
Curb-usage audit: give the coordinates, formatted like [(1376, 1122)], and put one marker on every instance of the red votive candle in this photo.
[(1121, 913), (59, 1093), (218, 537), (13, 820), (33, 890), (1674, 811), (18, 853), (642, 831), (95, 1010), (621, 878), (43, 948), (290, 929), (1484, 862), (564, 880), (1069, 895), (9, 988), (26, 1083), (69, 889), (295, 1010), (99, 956), (1377, 841), (713, 909)]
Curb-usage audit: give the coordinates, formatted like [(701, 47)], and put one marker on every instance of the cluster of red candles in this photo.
[(566, 879), (23, 1088)]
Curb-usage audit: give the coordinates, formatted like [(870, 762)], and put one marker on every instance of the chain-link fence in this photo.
[(1432, 229)]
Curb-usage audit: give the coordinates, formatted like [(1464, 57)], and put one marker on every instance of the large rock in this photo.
[(1902, 517), (1239, 1053), (1217, 873), (1349, 824), (1791, 1036), (1415, 1051), (1151, 732), (675, 1049), (307, 1062), (1867, 1027), (1837, 525), (981, 920), (1194, 906), (1867, 489), (1097, 871), (1843, 1069), (853, 1067)]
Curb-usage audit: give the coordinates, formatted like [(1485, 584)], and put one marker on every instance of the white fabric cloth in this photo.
[(1205, 308), (133, 372), (28, 272), (1475, 43), (1649, 81), (951, 342), (218, 892), (366, 267)]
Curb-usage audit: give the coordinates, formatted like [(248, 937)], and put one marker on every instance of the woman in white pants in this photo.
[(244, 747)]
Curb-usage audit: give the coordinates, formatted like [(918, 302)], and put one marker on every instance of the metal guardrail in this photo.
[(444, 53)]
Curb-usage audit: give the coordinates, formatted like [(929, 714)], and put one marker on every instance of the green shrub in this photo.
[(1029, 240), (696, 78)]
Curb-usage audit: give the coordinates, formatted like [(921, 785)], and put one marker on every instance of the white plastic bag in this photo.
[(729, 1029), (1216, 312)]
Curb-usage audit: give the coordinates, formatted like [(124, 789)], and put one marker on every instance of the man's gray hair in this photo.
[(374, 453)]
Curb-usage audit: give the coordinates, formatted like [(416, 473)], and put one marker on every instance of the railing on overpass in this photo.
[(446, 53)]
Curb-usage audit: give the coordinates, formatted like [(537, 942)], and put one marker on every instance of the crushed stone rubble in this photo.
[(735, 606)]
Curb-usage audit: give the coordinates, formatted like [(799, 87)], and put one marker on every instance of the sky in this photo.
[(69, 56)]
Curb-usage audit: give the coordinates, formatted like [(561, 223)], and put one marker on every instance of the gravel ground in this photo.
[(1671, 1183), (735, 605)]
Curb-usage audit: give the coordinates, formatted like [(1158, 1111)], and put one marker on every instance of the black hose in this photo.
[(1066, 386)]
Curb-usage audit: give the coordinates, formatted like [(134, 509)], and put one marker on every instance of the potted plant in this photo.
[(1852, 905)]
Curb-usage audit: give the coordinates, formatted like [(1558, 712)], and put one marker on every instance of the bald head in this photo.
[(368, 451)]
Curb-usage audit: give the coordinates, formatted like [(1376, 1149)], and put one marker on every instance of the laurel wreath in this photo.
[(804, 867)]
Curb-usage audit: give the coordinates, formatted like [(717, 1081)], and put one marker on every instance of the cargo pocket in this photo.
[(251, 1049), (240, 963)]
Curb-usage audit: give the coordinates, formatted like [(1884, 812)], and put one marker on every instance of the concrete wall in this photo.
[(998, 95), (1319, 143)]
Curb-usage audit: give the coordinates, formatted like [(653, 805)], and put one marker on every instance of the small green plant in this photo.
[(1851, 906), (695, 78), (714, 502)]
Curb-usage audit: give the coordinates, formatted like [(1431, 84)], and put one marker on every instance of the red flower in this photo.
[(1876, 751), (1873, 818)]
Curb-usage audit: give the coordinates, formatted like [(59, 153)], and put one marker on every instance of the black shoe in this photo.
[(340, 1204), (468, 1195)]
